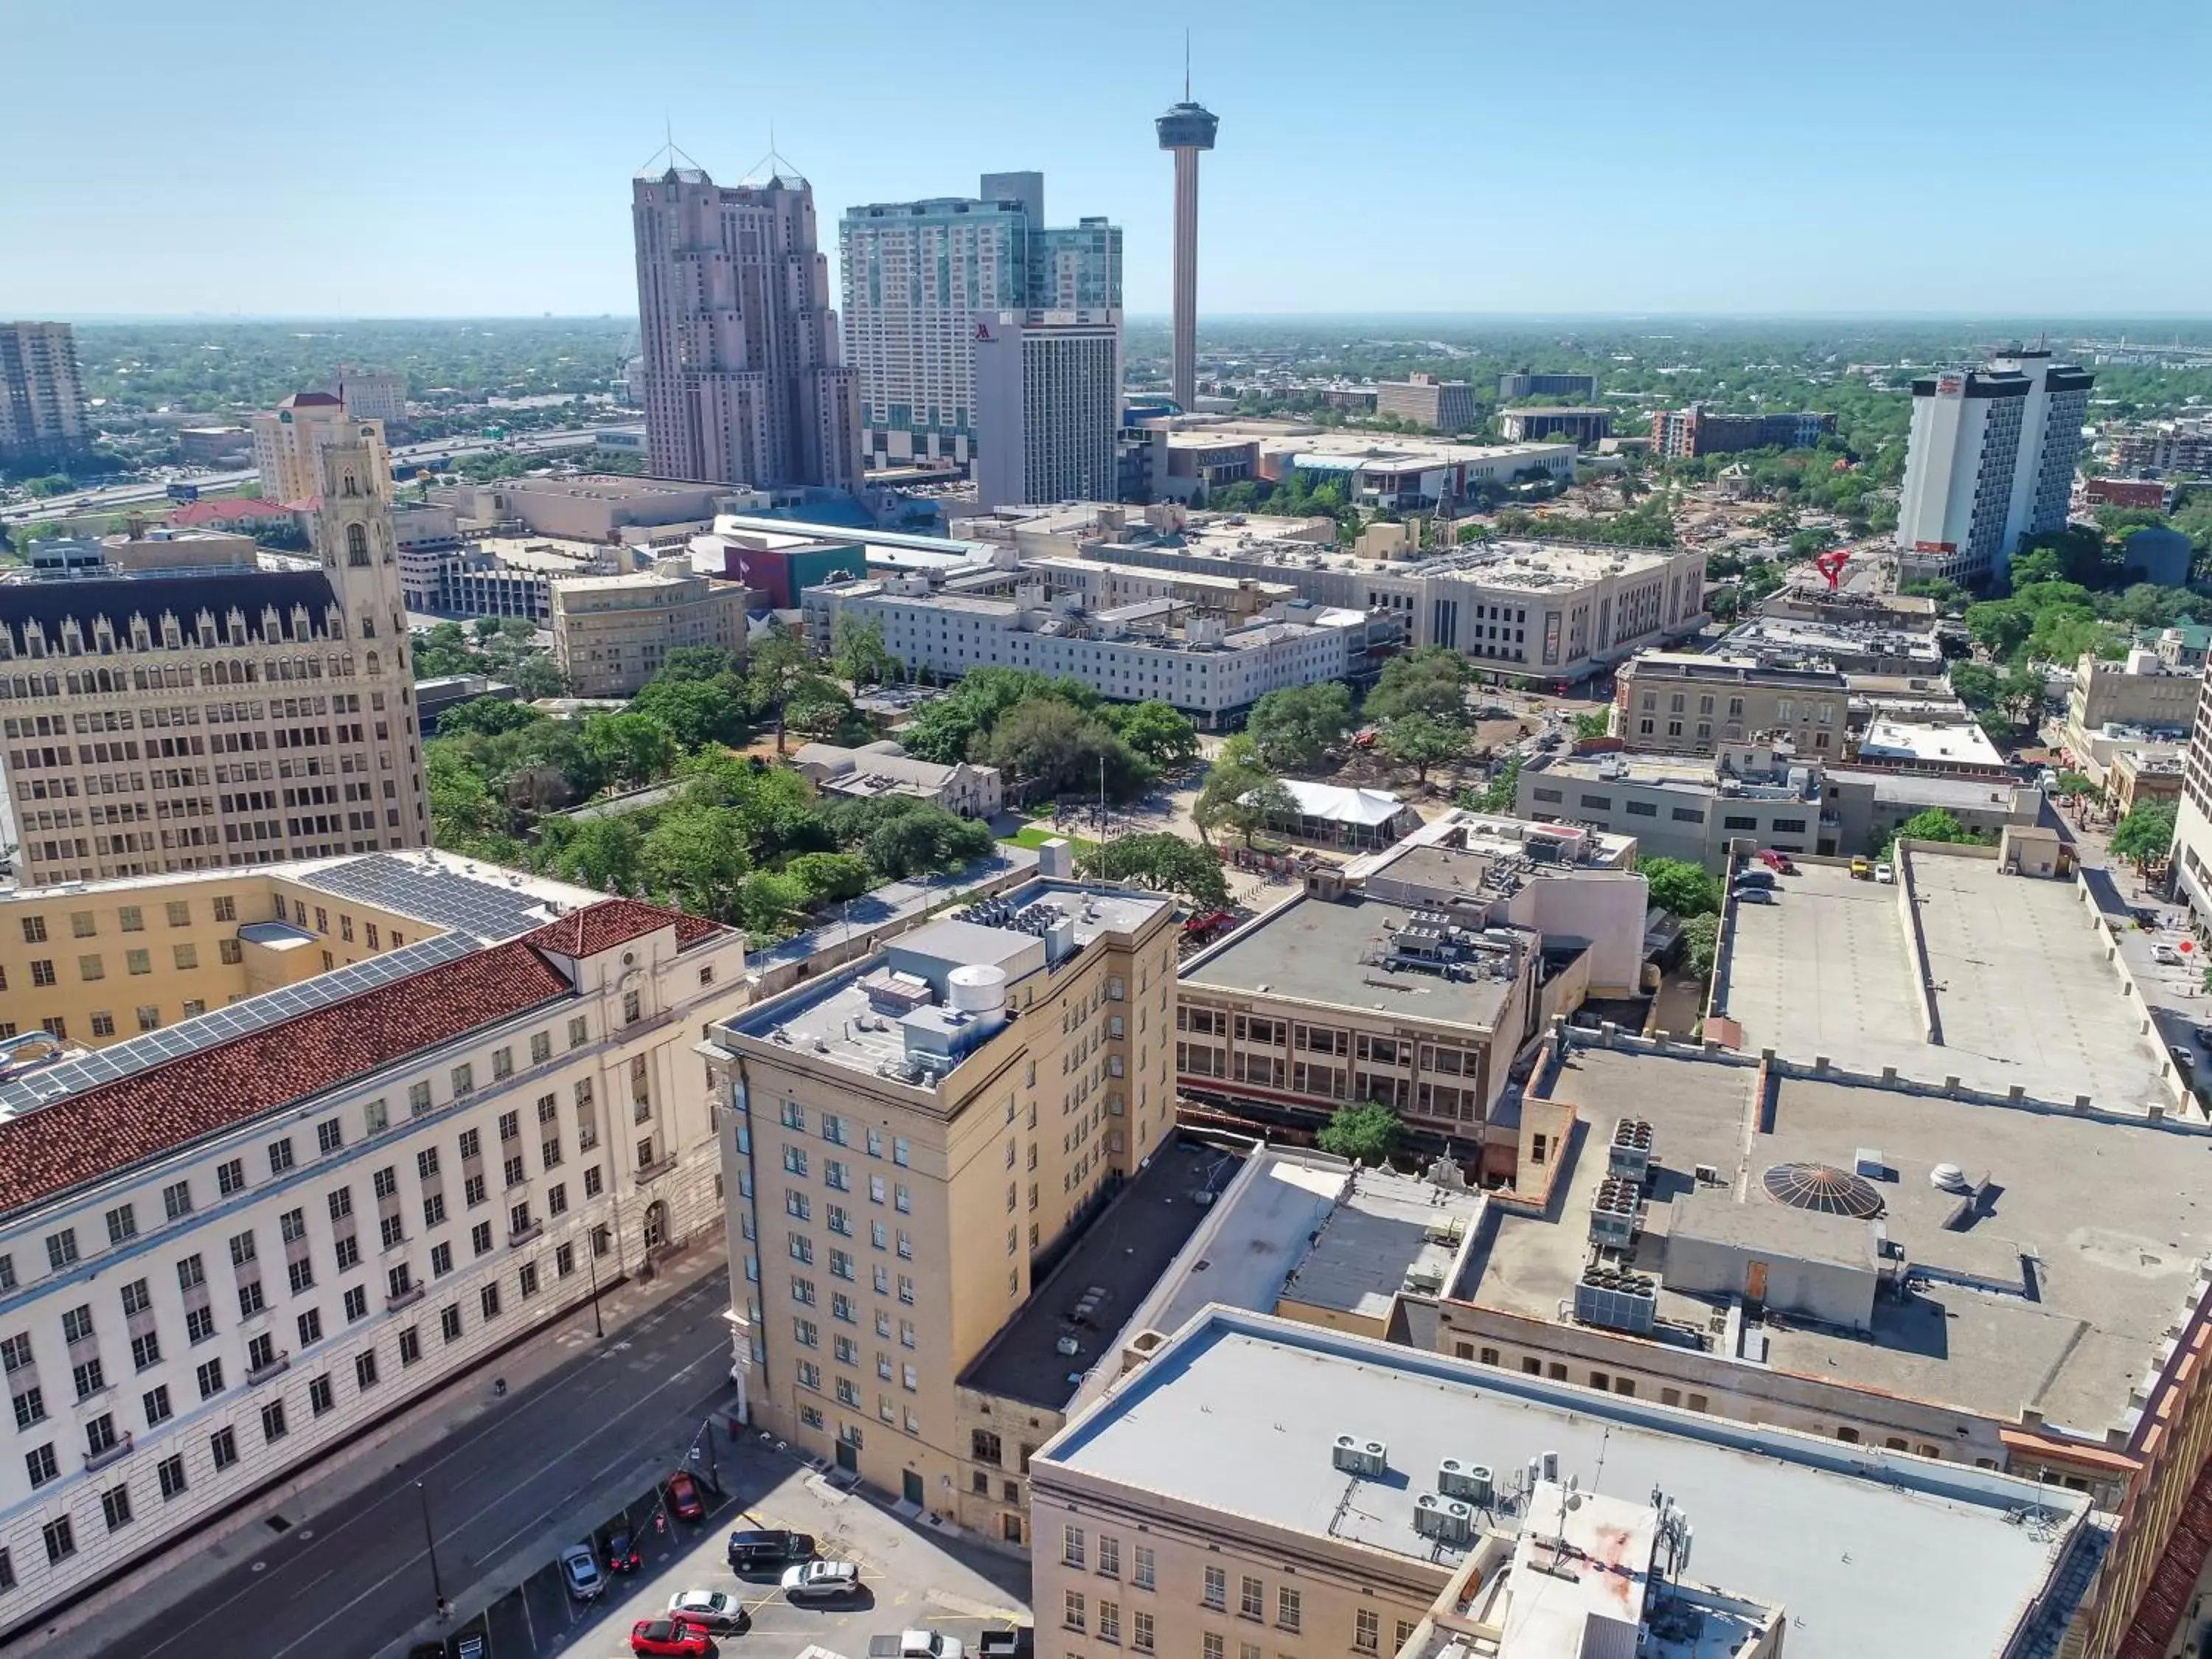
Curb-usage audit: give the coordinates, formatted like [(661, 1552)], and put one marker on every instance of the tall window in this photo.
[(357, 545)]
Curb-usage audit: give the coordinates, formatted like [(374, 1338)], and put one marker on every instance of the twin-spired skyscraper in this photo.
[(743, 383)]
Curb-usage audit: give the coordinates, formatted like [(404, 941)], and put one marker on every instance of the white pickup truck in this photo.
[(916, 1644)]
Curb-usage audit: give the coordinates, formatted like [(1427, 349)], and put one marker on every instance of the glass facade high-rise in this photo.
[(916, 275)]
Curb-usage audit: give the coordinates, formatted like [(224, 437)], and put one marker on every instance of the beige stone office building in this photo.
[(197, 704), (611, 634), (233, 1244), (1672, 703), (911, 1139)]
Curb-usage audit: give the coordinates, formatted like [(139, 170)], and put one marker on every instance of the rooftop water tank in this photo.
[(977, 989)]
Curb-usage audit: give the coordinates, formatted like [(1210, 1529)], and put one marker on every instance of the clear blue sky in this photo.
[(472, 157)]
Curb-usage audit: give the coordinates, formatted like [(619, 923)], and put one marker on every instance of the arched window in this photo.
[(351, 487), (356, 545), (371, 662)]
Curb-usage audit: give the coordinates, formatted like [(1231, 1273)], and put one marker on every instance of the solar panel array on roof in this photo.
[(222, 1025), (438, 893)]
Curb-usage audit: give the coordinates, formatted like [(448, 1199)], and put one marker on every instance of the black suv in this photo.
[(752, 1551)]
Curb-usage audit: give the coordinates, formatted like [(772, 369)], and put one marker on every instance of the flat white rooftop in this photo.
[(2017, 971), (1869, 1551)]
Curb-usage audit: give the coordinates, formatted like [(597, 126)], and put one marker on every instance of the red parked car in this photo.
[(683, 1498), (668, 1638)]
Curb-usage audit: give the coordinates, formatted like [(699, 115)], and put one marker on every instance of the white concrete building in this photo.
[(242, 1240), (1990, 459), (1201, 664), (1048, 406), (1537, 612), (372, 397)]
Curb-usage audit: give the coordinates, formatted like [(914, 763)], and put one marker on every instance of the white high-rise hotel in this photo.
[(918, 275), (1990, 459)]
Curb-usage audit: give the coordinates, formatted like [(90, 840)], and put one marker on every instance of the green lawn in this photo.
[(1033, 835)]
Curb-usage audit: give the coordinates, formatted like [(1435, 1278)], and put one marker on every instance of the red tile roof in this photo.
[(244, 507), (602, 927), (51, 1149)]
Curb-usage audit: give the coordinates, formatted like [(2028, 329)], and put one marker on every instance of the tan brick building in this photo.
[(911, 1142), (611, 634)]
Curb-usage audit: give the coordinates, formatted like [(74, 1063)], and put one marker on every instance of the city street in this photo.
[(540, 1470)]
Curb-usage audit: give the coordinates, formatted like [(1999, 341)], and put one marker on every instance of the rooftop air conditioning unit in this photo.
[(1472, 1482), (1355, 1454), (1447, 1520)]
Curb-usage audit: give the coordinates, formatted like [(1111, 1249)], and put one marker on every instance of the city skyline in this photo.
[(1565, 165)]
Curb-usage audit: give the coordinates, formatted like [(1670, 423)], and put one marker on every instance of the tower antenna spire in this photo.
[(1186, 66)]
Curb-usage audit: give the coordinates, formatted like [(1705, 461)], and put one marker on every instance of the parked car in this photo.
[(1884, 874), (716, 1610), (2183, 1057), (1753, 895), (1015, 1642), (1754, 878), (770, 1547), (683, 1498), (2167, 956), (579, 1571), (621, 1550), (668, 1638), (822, 1581), (1861, 869)]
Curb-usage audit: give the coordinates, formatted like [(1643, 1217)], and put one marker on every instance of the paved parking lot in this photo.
[(910, 1574)]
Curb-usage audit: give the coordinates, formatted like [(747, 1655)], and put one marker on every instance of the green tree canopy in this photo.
[(630, 749), (1366, 1133), (1688, 889), (1164, 862), (780, 663), (1700, 945), (486, 717), (2146, 835), (1161, 735), (1066, 751), (1933, 824), (858, 653), (1238, 795), (1422, 741), (1431, 680), (831, 878), (1295, 727)]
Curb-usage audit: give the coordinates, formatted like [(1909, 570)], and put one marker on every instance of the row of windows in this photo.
[(62, 1246)]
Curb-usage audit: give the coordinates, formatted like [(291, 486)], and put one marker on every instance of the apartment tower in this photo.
[(42, 411), (1990, 459), (1187, 129), (743, 379), (915, 275)]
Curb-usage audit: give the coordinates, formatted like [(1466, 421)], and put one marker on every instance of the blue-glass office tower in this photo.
[(917, 274)]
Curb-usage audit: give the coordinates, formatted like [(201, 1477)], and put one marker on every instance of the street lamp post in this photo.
[(591, 1262), (430, 1544)]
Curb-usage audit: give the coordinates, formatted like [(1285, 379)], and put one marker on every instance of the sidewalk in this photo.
[(198, 1560)]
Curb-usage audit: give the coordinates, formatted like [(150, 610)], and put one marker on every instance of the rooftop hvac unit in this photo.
[(1355, 1454), (1472, 1482), (1628, 1154), (1615, 1211), (1617, 1301), (1447, 1520)]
